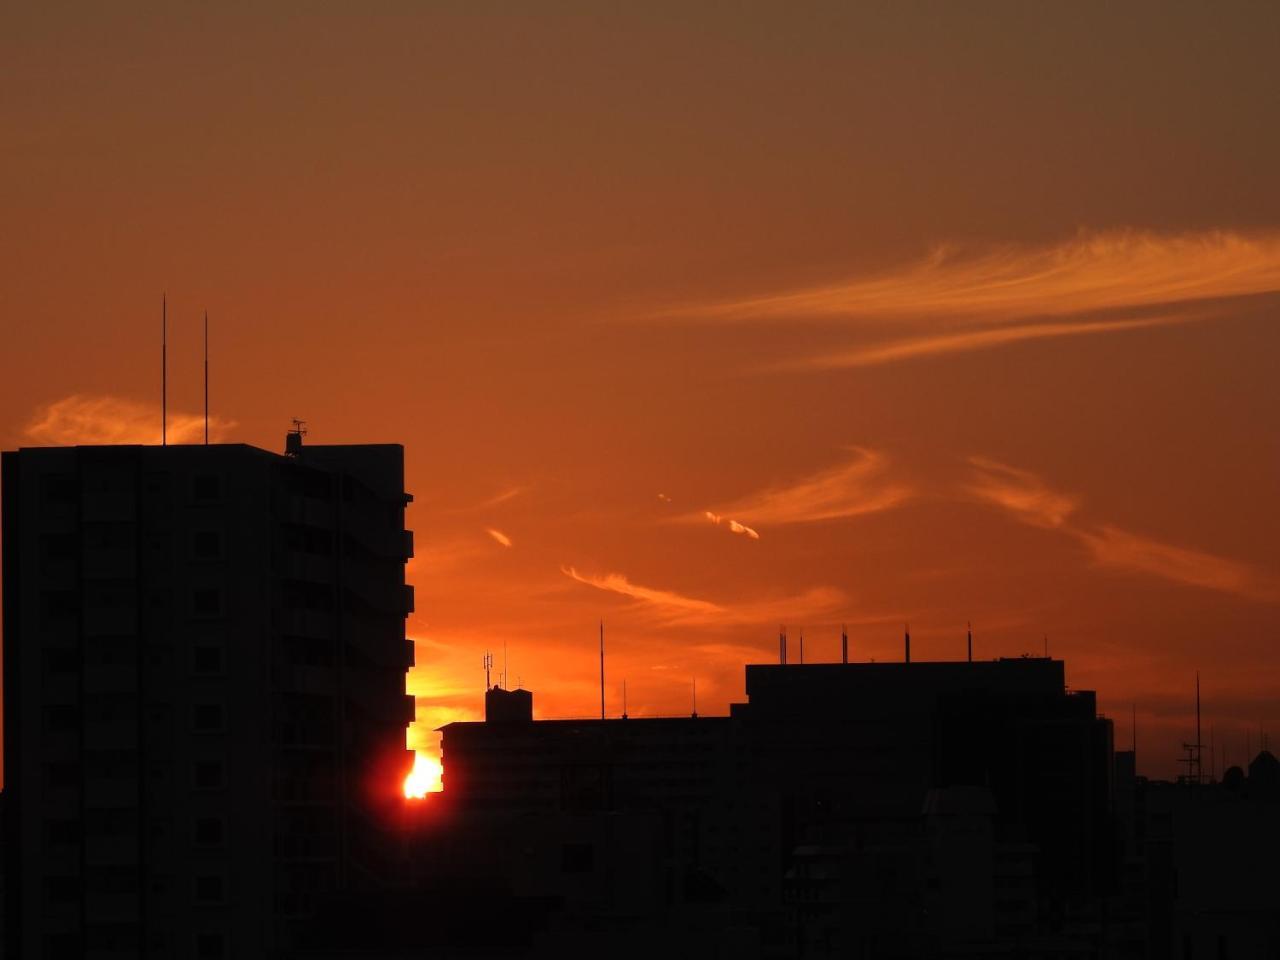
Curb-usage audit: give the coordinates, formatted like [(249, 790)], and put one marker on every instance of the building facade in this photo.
[(848, 809), (204, 707)]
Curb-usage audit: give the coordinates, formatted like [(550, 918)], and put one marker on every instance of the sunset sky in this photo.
[(701, 319)]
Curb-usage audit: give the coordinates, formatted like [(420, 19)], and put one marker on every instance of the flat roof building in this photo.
[(844, 809), (204, 701)]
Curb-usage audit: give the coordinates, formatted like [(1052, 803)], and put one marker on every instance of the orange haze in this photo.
[(701, 320)]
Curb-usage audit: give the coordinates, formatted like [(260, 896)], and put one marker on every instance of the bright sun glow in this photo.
[(424, 778)]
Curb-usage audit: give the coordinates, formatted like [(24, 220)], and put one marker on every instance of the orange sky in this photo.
[(966, 312)]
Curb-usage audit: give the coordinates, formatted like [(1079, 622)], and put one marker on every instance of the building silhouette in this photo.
[(204, 707), (865, 809)]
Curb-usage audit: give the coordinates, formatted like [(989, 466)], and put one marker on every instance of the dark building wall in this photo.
[(853, 741), (837, 807), (204, 691)]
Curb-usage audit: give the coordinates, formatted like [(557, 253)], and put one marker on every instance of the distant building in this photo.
[(204, 665), (1211, 853), (887, 809)]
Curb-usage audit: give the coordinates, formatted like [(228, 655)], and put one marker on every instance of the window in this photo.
[(63, 889), (59, 832), (59, 487), (61, 660), (207, 717), (577, 858), (206, 602), (60, 604), (65, 774), (211, 946), (61, 718), (208, 774), (206, 545), (209, 889), (206, 486), (209, 832), (206, 660)]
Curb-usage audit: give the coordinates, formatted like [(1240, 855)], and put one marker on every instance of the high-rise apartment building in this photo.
[(204, 702)]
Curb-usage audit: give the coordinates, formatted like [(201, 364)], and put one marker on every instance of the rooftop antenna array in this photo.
[(906, 642), (293, 441), (1194, 751), (782, 645), (844, 643), (488, 665)]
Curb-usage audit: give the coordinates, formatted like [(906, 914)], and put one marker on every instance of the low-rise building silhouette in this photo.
[(204, 664), (867, 809)]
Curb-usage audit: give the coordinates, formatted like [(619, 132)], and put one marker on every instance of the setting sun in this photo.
[(424, 778)]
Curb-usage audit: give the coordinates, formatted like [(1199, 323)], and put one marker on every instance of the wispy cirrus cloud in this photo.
[(671, 607), (1113, 547), (498, 536), (668, 602), (858, 486), (932, 345), (1090, 272), (956, 301), (1021, 492), (1031, 500), (87, 420)]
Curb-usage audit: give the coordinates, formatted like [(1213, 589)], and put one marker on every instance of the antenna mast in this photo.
[(1199, 742), (906, 642), (844, 644), (206, 378), (164, 370), (488, 665)]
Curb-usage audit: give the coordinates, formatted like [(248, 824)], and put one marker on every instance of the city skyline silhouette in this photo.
[(713, 338)]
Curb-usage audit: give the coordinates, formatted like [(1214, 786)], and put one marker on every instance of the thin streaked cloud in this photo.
[(1090, 272), (668, 602), (1122, 550), (858, 486), (934, 345), (671, 607), (1019, 491), (80, 419), (957, 301), (1031, 500), (498, 536)]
